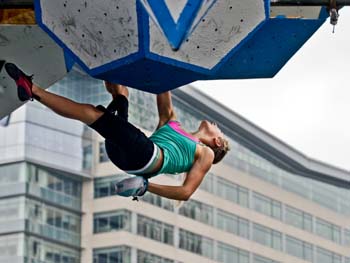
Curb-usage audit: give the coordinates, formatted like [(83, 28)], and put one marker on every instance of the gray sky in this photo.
[(307, 104)]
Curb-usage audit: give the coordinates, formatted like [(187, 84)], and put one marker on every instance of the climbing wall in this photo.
[(152, 45), (96, 32), (158, 45), (35, 52)]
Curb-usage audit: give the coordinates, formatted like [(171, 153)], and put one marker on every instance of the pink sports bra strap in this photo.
[(177, 127)]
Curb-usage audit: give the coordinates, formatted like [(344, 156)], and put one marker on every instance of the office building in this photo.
[(264, 203)]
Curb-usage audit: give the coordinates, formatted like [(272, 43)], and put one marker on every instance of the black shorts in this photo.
[(127, 146)]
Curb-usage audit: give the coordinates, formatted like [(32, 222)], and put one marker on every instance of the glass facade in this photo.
[(233, 224), (328, 230), (228, 254), (298, 218), (103, 157), (47, 210), (12, 247), (267, 237), (145, 257), (87, 157), (197, 211), (347, 237), (53, 223), (158, 201), (122, 254), (119, 254), (104, 186), (33, 249), (12, 209), (299, 248), (40, 250), (12, 173), (232, 192), (196, 243), (13, 179), (55, 187), (326, 256), (112, 221), (82, 88), (328, 196), (267, 206), (208, 183), (58, 188), (155, 230), (261, 259)]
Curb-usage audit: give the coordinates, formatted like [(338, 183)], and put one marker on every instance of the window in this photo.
[(329, 196), (103, 157), (267, 237), (196, 243), (156, 200), (143, 110), (197, 211), (113, 221), (325, 196), (11, 245), (155, 230), (328, 230), (326, 256), (208, 183), (299, 248), (55, 187), (298, 218), (347, 237), (12, 209), (233, 224), (58, 218), (104, 186), (260, 259), (87, 156), (52, 222), (12, 173), (38, 250), (121, 254), (145, 257), (229, 254), (35, 248), (267, 206), (232, 192)]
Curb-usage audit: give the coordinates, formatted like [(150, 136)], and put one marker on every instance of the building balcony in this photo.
[(54, 197)]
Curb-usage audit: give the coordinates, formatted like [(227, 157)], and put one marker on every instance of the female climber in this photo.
[(168, 150)]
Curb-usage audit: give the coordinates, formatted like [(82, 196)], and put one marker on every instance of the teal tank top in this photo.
[(178, 147)]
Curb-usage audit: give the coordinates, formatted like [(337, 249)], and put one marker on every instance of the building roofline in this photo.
[(262, 142)]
